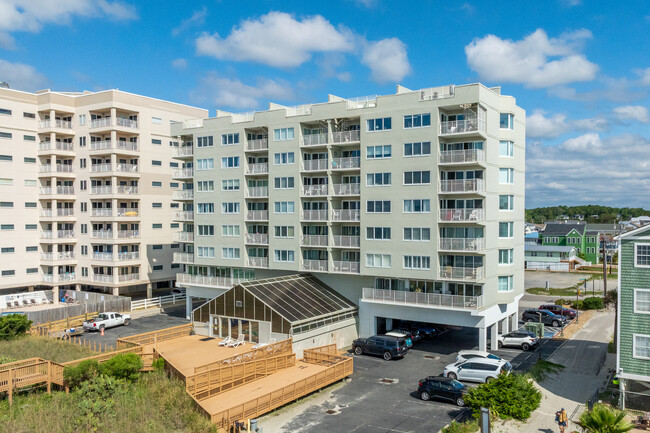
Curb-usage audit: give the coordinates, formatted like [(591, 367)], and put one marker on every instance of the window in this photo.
[(506, 202), (84, 206), (83, 185), (175, 265), (378, 179), (156, 163), (283, 183), (229, 139), (378, 233), (378, 206), (506, 148), (506, 257), (156, 205), (31, 137), (379, 152), (33, 116), (204, 164), (230, 207), (173, 184), (284, 232), (174, 225), (230, 162), (6, 204), (82, 163), (417, 262), (31, 270), (6, 181), (31, 249), (205, 230), (230, 253), (203, 208), (84, 229), (642, 301), (31, 182), (5, 134), (506, 175), (31, 226), (30, 204), (156, 184), (7, 250), (205, 252), (507, 121), (417, 120), (29, 160), (284, 256), (506, 229), (417, 206), (642, 255), (82, 141), (283, 134), (156, 120), (6, 158), (156, 247), (84, 250), (505, 284), (417, 234), (5, 111), (6, 227), (8, 273), (283, 158), (641, 346), (158, 267), (156, 141), (84, 272), (417, 177), (230, 230), (204, 141), (205, 186), (82, 119), (230, 185), (173, 164), (284, 207), (156, 226), (378, 260), (381, 124), (417, 149)]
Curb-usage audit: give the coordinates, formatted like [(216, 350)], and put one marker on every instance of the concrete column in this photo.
[(493, 336), (188, 307), (622, 385), (505, 326), (55, 294), (116, 291), (482, 338), (30, 288), (514, 322), (389, 324), (77, 287), (149, 290)]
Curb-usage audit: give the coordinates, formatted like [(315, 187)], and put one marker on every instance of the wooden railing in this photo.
[(155, 336), (21, 363), (24, 374), (60, 325), (323, 357), (275, 349), (105, 356)]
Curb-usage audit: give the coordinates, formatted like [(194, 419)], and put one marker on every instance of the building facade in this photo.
[(586, 238), (411, 204), (86, 189)]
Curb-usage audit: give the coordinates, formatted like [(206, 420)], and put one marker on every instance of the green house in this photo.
[(584, 237)]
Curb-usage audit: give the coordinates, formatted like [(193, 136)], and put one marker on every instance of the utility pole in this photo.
[(602, 240)]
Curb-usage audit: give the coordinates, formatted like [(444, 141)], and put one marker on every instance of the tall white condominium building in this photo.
[(86, 189), (410, 204)]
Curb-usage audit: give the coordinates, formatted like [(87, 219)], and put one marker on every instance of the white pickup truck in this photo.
[(107, 320)]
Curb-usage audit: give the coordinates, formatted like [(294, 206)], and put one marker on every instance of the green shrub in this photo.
[(508, 396), (592, 303), (85, 370), (6, 359), (97, 398), (122, 366), (13, 325), (158, 364), (604, 419), (458, 427)]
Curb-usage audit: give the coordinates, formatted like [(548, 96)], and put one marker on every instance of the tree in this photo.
[(604, 419)]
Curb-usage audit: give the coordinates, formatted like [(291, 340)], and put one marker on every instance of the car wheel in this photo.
[(555, 323), (500, 344), (388, 356), (525, 346), (425, 396), (452, 376), (460, 402), (358, 351), (489, 379), (127, 322)]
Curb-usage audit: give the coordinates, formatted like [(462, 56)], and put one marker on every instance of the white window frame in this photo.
[(636, 251), (511, 256), (416, 155), (230, 185), (230, 230), (282, 158), (384, 230), (511, 203), (225, 162), (375, 124), (421, 260), (413, 239), (510, 280), (283, 182), (413, 182), (510, 178), (510, 148), (226, 253), (229, 139), (205, 186), (634, 337), (635, 301), (277, 232), (511, 233), (374, 149), (282, 134), (290, 256), (384, 259), (511, 121), (227, 205), (278, 209), (373, 183), (412, 117), (204, 164), (412, 201)]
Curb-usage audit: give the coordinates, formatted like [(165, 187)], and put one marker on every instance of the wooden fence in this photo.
[(155, 336), (281, 347), (24, 374), (326, 355), (61, 325), (16, 364)]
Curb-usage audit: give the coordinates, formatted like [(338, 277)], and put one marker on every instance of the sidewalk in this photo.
[(586, 367)]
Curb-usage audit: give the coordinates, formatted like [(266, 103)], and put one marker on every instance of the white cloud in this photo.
[(632, 113), (538, 125), (179, 63), (277, 39), (571, 3), (387, 60), (645, 76), (22, 77), (233, 93), (346, 77), (588, 142), (366, 3), (535, 61), (197, 18)]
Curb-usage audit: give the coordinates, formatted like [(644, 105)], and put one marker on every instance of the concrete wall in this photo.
[(340, 333)]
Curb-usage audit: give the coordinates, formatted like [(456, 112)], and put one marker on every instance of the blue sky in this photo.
[(581, 69)]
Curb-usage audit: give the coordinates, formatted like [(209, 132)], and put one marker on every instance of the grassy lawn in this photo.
[(542, 369), (41, 347), (569, 292)]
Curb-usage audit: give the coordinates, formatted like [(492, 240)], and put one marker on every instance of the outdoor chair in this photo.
[(239, 341), (259, 345), (225, 341)]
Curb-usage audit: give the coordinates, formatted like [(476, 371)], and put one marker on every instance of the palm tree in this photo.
[(604, 419)]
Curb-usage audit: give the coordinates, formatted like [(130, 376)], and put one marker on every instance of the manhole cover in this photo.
[(388, 381)]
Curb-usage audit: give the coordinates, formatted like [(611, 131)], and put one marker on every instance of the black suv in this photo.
[(548, 318), (559, 310), (385, 345), (443, 388)]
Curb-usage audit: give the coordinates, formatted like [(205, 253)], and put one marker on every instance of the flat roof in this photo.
[(548, 248)]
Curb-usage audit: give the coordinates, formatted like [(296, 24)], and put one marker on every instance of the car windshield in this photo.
[(506, 367), (456, 384)]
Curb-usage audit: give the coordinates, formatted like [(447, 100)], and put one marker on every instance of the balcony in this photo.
[(60, 256), (313, 241), (128, 277), (128, 256), (461, 215), (128, 212), (346, 137), (346, 267), (126, 168), (59, 169), (65, 234), (347, 241), (257, 192), (183, 173), (346, 215), (126, 123), (346, 189), (47, 234), (257, 145), (102, 234), (183, 237), (46, 147), (184, 194), (466, 156), (61, 212), (258, 262), (184, 216), (56, 123), (101, 212), (462, 185), (183, 258), (314, 190), (127, 190), (346, 163), (257, 238), (128, 234), (100, 123), (314, 265), (101, 190), (130, 146), (209, 281), (59, 278), (101, 278), (261, 168), (434, 300), (183, 152), (314, 140), (461, 244), (314, 215), (469, 125), (461, 273), (58, 190), (314, 165), (102, 257), (257, 215), (100, 168)]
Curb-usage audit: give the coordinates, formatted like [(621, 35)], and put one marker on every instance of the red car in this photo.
[(560, 311)]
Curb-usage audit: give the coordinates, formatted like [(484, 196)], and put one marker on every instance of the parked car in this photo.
[(177, 291), (385, 345), (548, 318), (414, 334), (426, 330), (467, 354), (443, 388), (524, 339), (560, 310), (407, 337), (107, 320), (477, 369)]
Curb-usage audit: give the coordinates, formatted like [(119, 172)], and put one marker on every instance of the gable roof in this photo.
[(561, 229), (548, 248), (635, 232), (593, 229)]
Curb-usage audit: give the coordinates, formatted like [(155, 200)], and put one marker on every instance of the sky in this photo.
[(580, 68)]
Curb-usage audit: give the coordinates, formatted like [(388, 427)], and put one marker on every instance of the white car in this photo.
[(477, 369), (467, 354), (177, 291), (523, 339), (107, 320)]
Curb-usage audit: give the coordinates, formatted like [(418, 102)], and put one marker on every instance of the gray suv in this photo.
[(548, 318), (385, 345)]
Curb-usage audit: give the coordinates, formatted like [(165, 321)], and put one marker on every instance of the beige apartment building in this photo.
[(410, 205), (86, 190)]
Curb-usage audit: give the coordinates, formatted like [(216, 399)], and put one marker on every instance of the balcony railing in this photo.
[(314, 265), (346, 267), (313, 240), (261, 168), (103, 189), (58, 168), (314, 139), (461, 156), (180, 173), (102, 234), (183, 151), (129, 123), (461, 215), (118, 144), (101, 212), (100, 145), (346, 163), (128, 277), (211, 281), (346, 215), (127, 190), (314, 165), (183, 237), (184, 216), (59, 190), (123, 257), (62, 212), (184, 194), (128, 234), (103, 257), (258, 262), (259, 144), (437, 93), (64, 124), (461, 244), (314, 190), (183, 258), (462, 185), (257, 192), (461, 273), (257, 215), (314, 215), (471, 124), (257, 238), (347, 241), (101, 278), (99, 123), (126, 168), (346, 137), (100, 168), (47, 234), (65, 255), (128, 212), (423, 299), (58, 278), (65, 234), (347, 188), (57, 145)]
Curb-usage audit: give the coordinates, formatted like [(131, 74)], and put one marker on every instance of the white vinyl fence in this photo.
[(160, 301)]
